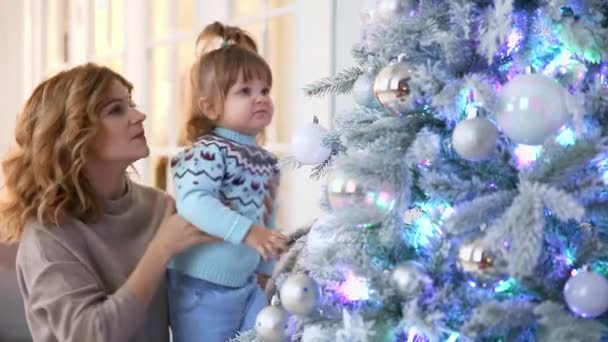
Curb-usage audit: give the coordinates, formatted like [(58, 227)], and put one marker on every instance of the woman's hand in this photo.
[(176, 235)]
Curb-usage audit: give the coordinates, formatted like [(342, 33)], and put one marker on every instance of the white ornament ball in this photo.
[(271, 324), (307, 144), (586, 294), (363, 90), (368, 11), (393, 9), (532, 109), (299, 294), (475, 139), (409, 278)]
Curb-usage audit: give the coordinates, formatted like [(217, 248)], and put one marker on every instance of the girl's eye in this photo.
[(132, 103), (265, 91), (245, 91)]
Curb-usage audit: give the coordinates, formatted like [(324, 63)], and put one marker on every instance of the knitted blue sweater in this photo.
[(220, 184)]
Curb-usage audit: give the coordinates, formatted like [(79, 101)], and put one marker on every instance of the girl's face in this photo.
[(120, 137), (248, 107)]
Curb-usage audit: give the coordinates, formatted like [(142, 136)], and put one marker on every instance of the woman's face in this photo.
[(120, 138)]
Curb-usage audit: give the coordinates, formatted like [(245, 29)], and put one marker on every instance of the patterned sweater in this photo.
[(220, 185)]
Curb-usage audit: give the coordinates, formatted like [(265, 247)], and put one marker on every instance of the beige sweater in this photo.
[(72, 278)]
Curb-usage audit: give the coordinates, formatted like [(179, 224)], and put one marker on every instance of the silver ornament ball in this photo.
[(410, 278), (299, 294), (533, 107), (272, 325), (392, 88), (394, 9), (345, 191), (475, 139), (586, 294)]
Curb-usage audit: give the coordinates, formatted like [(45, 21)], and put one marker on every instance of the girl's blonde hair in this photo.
[(227, 52), (45, 169)]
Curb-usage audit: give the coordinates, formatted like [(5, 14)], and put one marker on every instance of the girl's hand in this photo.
[(269, 243)]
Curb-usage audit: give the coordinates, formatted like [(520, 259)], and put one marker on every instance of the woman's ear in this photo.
[(207, 108)]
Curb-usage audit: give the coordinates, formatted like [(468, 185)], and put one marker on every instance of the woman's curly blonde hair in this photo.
[(45, 169)]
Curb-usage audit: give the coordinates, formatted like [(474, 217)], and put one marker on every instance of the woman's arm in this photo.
[(174, 235), (65, 296)]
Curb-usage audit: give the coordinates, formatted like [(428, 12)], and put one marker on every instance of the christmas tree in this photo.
[(466, 191)]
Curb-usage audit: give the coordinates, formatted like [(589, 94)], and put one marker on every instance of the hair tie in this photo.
[(225, 43)]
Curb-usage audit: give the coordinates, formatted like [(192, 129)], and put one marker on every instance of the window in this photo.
[(151, 42)]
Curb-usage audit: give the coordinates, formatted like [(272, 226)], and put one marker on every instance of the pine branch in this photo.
[(332, 141), (470, 215), (497, 318), (341, 83), (246, 336), (557, 324)]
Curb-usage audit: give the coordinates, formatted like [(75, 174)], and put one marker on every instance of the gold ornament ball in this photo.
[(392, 88), (474, 258)]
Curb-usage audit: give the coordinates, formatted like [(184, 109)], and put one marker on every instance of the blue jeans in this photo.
[(200, 311)]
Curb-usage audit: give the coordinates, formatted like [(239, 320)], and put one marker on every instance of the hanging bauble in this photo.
[(299, 294), (368, 12), (475, 139), (474, 258), (307, 144), (346, 192), (390, 10), (409, 278), (586, 294), (392, 88), (363, 90), (271, 324), (532, 109)]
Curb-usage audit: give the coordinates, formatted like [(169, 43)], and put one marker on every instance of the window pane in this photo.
[(158, 23), (279, 3), (108, 28), (114, 64), (159, 95), (117, 29), (256, 31), (247, 8), (159, 172), (185, 58), (186, 19), (56, 34), (281, 59)]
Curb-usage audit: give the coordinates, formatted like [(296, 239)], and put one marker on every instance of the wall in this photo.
[(11, 59), (12, 321), (347, 34)]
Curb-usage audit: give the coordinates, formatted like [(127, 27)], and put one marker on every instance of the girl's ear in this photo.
[(207, 108)]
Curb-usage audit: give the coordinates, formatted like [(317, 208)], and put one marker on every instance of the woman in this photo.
[(93, 245)]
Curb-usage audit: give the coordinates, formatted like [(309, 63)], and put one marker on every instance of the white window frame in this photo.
[(313, 41)]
